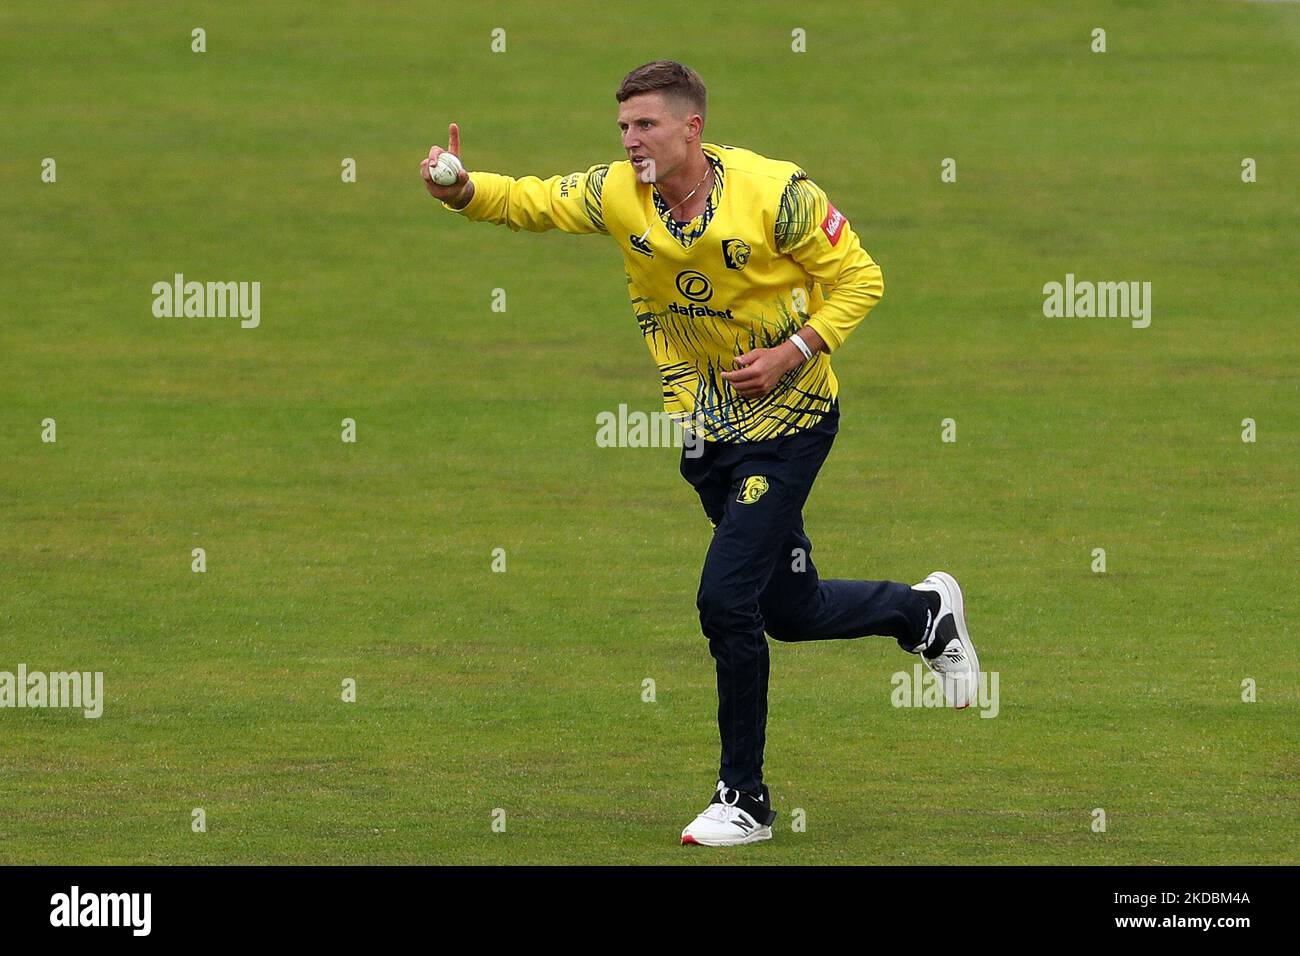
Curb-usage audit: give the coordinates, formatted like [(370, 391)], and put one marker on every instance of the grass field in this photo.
[(475, 430)]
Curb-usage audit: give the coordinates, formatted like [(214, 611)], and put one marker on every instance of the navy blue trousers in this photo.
[(759, 577)]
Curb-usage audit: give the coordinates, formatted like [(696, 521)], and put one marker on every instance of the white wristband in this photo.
[(802, 346)]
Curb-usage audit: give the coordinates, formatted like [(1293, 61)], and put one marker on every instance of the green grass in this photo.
[(476, 431)]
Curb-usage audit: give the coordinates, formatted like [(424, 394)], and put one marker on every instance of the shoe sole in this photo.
[(953, 598), (762, 833)]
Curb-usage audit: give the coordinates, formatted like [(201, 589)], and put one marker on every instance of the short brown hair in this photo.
[(674, 80)]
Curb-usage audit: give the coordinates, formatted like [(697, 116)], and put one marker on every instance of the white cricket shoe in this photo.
[(947, 648), (732, 818)]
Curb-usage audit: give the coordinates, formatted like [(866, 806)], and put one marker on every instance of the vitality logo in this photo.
[(833, 224)]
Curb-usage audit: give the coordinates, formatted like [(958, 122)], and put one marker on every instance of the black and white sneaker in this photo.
[(732, 818), (946, 647)]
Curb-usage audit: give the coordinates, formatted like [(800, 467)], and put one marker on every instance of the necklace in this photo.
[(707, 173), (696, 189)]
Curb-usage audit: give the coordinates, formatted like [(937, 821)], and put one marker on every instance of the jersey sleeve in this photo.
[(569, 203), (815, 234)]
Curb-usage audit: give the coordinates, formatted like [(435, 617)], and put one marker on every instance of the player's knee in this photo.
[(723, 611), (781, 622), (780, 628)]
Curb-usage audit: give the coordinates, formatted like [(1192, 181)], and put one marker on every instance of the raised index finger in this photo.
[(453, 140)]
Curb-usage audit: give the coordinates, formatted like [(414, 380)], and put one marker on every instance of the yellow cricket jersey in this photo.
[(768, 255)]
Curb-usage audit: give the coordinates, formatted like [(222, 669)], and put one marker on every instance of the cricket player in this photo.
[(743, 278)]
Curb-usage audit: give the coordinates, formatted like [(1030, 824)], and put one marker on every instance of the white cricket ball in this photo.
[(446, 170)]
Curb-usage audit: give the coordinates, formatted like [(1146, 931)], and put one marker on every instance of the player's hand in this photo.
[(757, 372), (448, 194)]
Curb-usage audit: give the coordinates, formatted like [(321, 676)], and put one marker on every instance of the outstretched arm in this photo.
[(569, 203)]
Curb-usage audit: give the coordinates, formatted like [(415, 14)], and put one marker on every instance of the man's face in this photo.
[(654, 132)]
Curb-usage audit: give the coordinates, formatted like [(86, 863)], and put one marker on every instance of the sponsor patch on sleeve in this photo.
[(833, 224)]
